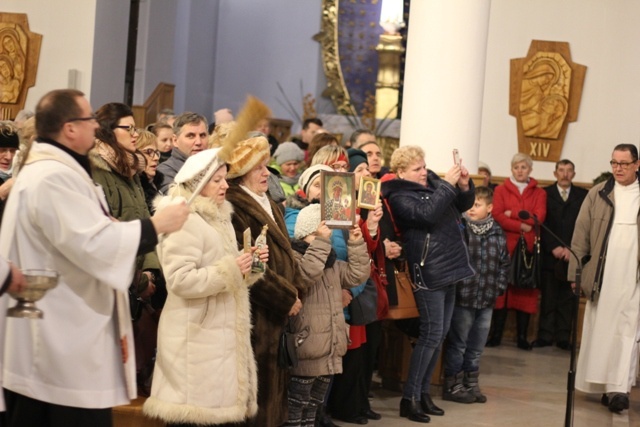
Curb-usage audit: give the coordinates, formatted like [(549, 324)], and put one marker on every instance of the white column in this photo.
[(444, 80)]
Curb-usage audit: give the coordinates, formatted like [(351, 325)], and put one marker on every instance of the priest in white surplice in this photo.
[(606, 239), (71, 367)]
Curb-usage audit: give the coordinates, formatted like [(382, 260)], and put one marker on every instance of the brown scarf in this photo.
[(108, 154)]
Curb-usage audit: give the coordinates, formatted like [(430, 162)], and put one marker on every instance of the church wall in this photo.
[(109, 52), (232, 48), (68, 29), (602, 35), (262, 43)]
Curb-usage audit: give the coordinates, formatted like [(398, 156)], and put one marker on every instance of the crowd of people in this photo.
[(167, 290)]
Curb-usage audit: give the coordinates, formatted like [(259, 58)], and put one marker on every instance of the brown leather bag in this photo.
[(406, 308)]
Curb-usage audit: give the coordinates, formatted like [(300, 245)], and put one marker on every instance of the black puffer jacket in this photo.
[(432, 232)]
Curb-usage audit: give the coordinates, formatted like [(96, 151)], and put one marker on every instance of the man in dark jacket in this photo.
[(190, 136), (563, 205)]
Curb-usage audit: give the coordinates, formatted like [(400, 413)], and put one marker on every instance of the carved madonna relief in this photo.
[(544, 100), (546, 88), (19, 53)]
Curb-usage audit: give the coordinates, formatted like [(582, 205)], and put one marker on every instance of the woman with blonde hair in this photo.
[(150, 178), (428, 210), (518, 193)]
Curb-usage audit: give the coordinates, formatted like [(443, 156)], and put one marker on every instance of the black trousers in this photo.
[(555, 308), (23, 411), (348, 396), (374, 338)]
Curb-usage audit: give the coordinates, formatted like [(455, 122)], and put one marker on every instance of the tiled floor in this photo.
[(523, 389)]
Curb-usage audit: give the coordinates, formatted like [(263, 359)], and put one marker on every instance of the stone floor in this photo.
[(523, 389)]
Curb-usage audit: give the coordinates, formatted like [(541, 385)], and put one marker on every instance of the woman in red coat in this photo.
[(520, 192)]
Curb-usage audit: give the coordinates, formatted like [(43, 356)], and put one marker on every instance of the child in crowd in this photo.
[(320, 322), (475, 298), (164, 133)]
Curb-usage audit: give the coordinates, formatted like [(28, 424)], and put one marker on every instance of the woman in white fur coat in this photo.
[(205, 371)]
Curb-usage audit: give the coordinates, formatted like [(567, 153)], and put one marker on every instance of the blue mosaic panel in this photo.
[(358, 35)]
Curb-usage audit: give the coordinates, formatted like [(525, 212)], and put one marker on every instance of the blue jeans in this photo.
[(435, 308), (466, 339)]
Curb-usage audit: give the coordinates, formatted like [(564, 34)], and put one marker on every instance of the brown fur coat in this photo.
[(271, 299)]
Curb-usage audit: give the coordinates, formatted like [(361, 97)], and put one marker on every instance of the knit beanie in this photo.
[(9, 140), (307, 222), (287, 152), (356, 157), (311, 173)]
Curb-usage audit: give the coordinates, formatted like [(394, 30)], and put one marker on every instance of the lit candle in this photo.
[(391, 16)]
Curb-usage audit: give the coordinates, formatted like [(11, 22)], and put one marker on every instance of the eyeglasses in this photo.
[(623, 165), (150, 152), (81, 119), (129, 128), (339, 167)]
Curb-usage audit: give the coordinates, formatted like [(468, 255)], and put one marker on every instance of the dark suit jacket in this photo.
[(561, 219)]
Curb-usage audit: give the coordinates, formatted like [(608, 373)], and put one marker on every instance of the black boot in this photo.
[(522, 326), (411, 409), (322, 418), (499, 319), (429, 407)]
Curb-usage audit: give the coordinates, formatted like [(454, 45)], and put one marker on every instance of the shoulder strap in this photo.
[(395, 227)]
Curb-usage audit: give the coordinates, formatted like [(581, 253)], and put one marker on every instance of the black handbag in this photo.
[(287, 356), (525, 265), (363, 309)]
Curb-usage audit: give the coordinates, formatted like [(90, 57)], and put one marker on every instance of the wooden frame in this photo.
[(338, 199), (368, 192)]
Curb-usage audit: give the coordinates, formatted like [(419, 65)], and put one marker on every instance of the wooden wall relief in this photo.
[(544, 97), (19, 54)]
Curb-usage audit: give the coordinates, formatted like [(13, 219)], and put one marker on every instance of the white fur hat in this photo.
[(307, 222), (197, 166)]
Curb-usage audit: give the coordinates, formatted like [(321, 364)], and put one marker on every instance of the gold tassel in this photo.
[(252, 112)]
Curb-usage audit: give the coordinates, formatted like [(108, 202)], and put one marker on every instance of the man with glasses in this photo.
[(75, 364), (190, 136), (606, 241)]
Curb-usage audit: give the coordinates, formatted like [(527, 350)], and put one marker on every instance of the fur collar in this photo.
[(203, 206), (296, 201), (247, 206)]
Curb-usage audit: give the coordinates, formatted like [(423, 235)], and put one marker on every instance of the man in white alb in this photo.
[(606, 240)]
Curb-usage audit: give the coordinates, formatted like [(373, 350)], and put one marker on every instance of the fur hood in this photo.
[(296, 201), (98, 161)]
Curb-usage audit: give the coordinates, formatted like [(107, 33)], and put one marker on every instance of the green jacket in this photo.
[(126, 200)]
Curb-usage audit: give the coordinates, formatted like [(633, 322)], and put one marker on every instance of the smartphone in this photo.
[(456, 157)]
